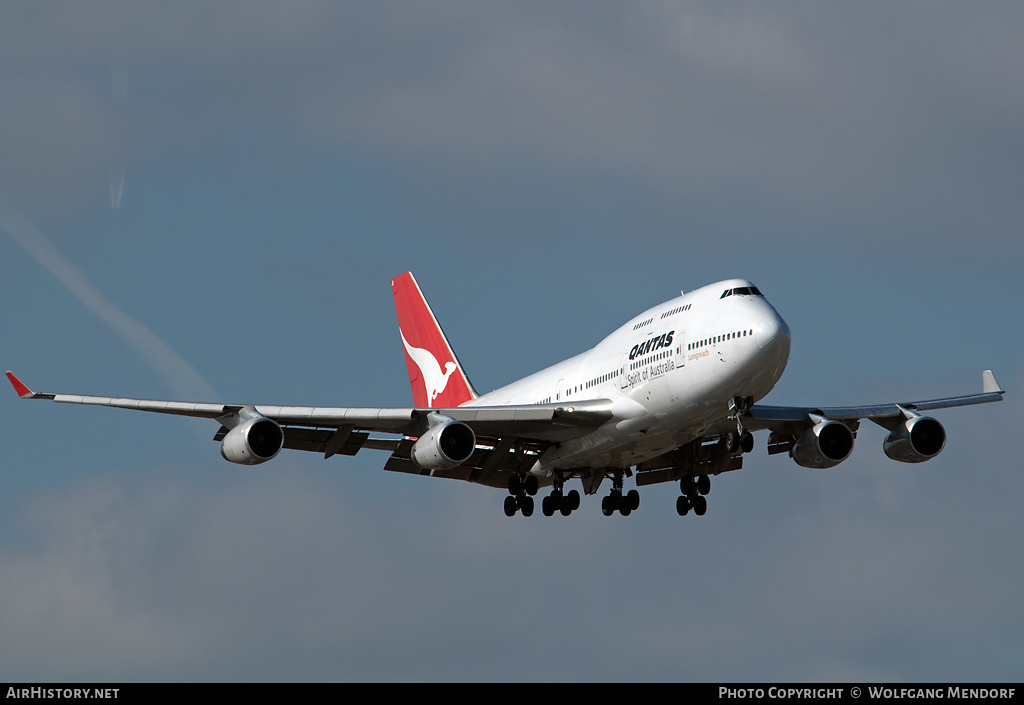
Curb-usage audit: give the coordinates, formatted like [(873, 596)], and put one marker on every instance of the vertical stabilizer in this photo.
[(436, 376)]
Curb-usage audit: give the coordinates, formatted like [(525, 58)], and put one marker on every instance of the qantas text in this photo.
[(656, 343)]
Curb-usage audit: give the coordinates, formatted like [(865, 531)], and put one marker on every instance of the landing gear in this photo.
[(693, 490), (624, 504), (518, 485), (742, 439), (557, 502), (522, 503), (521, 491), (739, 441)]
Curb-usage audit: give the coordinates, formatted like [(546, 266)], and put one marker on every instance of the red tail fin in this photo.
[(436, 376)]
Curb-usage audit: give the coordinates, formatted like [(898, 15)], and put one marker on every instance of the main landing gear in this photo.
[(693, 489), (565, 504), (624, 504), (521, 491)]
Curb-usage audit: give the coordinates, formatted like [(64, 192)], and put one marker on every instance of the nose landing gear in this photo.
[(739, 408)]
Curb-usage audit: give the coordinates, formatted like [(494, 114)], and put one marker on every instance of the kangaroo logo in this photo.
[(433, 378)]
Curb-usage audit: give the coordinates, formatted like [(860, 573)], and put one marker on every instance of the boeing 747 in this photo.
[(670, 396)]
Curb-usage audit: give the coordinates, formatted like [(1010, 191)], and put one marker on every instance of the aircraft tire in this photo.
[(700, 505), (510, 506), (525, 505), (573, 498), (606, 506), (748, 442), (704, 484), (682, 505), (547, 506), (632, 500), (732, 442), (531, 485)]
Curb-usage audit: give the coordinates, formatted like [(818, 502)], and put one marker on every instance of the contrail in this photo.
[(119, 98), (116, 187), (180, 377)]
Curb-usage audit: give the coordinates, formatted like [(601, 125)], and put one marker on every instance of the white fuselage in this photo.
[(670, 372)]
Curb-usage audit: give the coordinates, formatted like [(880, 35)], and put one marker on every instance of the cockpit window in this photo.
[(742, 291)]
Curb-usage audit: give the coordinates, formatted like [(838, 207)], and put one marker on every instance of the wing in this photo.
[(506, 437), (808, 432)]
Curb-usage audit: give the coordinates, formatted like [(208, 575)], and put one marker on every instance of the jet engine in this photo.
[(446, 444), (253, 442), (918, 439), (824, 445)]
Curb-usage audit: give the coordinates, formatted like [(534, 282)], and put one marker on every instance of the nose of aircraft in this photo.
[(772, 329)]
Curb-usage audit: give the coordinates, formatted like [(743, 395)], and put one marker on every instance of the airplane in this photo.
[(670, 396)]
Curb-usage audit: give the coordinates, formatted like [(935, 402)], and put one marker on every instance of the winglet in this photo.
[(989, 384), (19, 386)]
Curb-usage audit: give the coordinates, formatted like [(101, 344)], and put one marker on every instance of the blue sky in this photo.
[(213, 197)]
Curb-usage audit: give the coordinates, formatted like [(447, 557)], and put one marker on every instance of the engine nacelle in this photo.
[(918, 439), (824, 445), (445, 445), (253, 442)]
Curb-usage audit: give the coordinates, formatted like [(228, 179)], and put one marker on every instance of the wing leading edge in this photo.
[(502, 431), (540, 422), (821, 437), (766, 416)]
